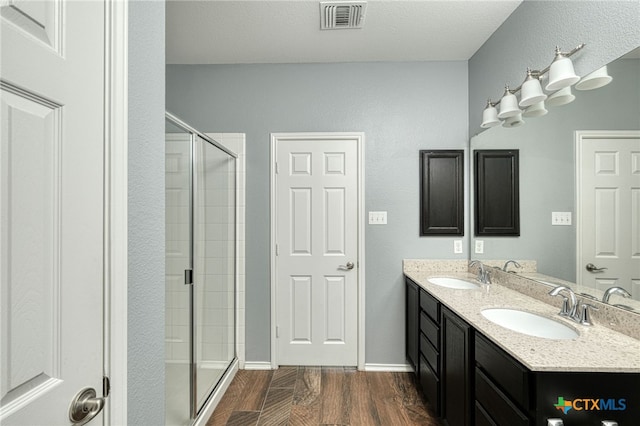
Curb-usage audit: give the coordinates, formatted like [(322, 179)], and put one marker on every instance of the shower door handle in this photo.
[(349, 266)]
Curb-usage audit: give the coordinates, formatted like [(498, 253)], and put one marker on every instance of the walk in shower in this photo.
[(200, 218)]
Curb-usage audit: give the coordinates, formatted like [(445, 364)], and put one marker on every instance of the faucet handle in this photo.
[(564, 311), (585, 318)]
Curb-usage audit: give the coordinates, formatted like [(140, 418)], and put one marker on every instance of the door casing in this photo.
[(311, 136)]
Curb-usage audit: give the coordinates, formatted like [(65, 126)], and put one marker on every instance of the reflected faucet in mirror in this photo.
[(615, 290), (506, 266)]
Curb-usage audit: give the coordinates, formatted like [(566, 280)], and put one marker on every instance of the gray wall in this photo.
[(146, 214), (547, 167), (529, 36), (401, 107)]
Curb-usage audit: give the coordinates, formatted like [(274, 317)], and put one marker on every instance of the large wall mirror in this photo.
[(549, 158)]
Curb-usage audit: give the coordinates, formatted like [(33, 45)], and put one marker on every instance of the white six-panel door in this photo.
[(316, 250), (51, 207), (609, 209)]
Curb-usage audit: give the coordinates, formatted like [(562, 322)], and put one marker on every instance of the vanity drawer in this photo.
[(430, 385), (502, 369), (430, 305), (429, 353), (482, 417), (429, 329), (492, 400)]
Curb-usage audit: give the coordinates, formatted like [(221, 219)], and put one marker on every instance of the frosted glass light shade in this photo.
[(595, 80), (535, 110), (508, 105), (561, 74), (531, 92), (489, 117), (561, 97), (513, 121)]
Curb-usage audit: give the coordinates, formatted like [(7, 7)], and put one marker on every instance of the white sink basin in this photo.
[(529, 323), (453, 283)]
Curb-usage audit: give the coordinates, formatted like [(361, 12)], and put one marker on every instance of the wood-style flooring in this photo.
[(305, 396)]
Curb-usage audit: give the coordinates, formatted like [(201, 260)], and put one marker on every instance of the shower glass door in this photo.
[(200, 220), (214, 282), (178, 257)]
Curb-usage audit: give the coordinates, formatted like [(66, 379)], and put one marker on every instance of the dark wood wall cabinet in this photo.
[(442, 192), (469, 380), (497, 196)]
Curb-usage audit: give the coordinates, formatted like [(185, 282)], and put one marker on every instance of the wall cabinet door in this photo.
[(456, 375)]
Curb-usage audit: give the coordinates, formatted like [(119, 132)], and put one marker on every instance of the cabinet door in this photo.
[(412, 317), (456, 375)]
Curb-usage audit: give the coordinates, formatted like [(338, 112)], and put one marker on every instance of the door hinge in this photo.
[(277, 168), (277, 250), (188, 276), (106, 386), (277, 332)]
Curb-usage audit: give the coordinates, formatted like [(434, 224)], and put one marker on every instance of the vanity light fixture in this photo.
[(490, 116), (597, 79), (535, 110), (513, 121), (561, 73), (508, 104), (531, 92), (561, 97), (532, 97)]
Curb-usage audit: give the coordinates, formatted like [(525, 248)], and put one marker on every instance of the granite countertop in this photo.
[(597, 349)]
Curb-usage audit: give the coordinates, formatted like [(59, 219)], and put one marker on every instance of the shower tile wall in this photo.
[(236, 143)]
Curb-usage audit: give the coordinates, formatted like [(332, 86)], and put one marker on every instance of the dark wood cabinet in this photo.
[(412, 299), (457, 363), (469, 380)]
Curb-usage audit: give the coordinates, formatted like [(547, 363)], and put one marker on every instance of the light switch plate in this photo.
[(479, 247), (457, 246), (561, 218), (377, 218)]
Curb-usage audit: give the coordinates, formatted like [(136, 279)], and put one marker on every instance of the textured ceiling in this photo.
[(234, 32)]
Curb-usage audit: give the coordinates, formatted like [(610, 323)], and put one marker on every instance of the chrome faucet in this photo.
[(614, 290), (569, 309), (506, 265), (483, 274)]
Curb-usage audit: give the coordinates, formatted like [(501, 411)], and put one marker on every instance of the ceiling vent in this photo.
[(342, 15)]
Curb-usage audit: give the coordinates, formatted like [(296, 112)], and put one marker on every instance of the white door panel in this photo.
[(317, 235), (609, 210), (51, 207)]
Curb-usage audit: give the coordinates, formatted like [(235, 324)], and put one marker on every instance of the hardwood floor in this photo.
[(312, 396)]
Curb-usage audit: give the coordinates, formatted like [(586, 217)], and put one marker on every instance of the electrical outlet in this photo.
[(377, 218), (561, 218), (457, 246), (479, 247)]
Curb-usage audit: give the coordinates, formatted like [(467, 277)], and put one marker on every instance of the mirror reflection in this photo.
[(595, 135)]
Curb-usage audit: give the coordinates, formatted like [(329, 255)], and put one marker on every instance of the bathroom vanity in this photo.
[(474, 372)]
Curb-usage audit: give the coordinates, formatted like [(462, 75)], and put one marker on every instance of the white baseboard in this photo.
[(257, 365), (395, 368), (213, 402)]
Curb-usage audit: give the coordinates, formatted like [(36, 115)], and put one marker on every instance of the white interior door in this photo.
[(317, 250), (609, 209), (51, 207)]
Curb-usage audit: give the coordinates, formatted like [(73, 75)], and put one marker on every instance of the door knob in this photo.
[(85, 406), (592, 268), (349, 266)]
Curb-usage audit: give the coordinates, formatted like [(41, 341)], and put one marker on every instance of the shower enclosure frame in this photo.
[(195, 410)]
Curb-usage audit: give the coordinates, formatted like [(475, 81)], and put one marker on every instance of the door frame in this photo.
[(311, 136), (115, 274), (580, 137)]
